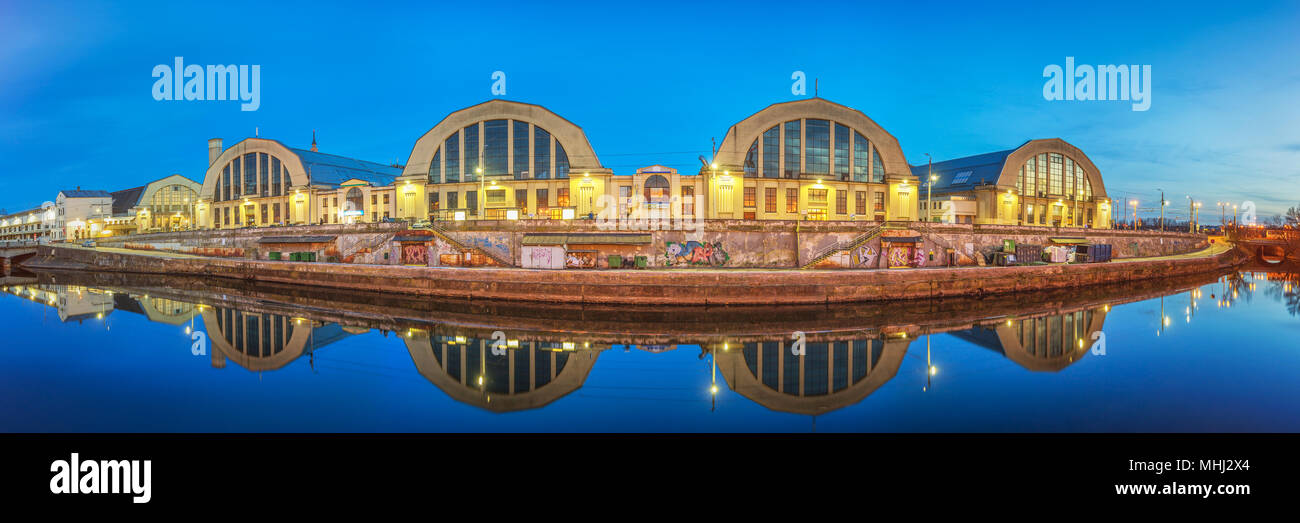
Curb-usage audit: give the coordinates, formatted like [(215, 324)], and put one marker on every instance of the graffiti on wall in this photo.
[(415, 254), (580, 260), (863, 256), (540, 257), (900, 256), (695, 253)]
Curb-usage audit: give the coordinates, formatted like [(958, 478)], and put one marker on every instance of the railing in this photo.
[(500, 213), (865, 237)]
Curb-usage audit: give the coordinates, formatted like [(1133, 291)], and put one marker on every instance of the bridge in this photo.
[(14, 252)]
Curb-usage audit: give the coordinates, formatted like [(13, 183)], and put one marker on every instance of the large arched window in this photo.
[(172, 198), (501, 148), (1054, 175), (814, 147), (252, 175), (355, 201)]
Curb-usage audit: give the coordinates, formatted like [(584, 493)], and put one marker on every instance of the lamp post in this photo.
[(1135, 215), (1162, 209), (712, 192)]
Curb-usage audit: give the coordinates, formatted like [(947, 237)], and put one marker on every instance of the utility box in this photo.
[(615, 261)]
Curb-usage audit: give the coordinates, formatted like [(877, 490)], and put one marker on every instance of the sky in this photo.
[(654, 83)]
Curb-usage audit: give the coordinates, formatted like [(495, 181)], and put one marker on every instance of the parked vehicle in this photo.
[(88, 243), (422, 224)]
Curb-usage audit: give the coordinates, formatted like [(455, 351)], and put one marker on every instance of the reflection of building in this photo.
[(260, 341), (524, 375), (1041, 182), (1045, 343), (828, 376), (73, 303)]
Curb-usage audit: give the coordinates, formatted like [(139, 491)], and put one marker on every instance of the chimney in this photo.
[(214, 150)]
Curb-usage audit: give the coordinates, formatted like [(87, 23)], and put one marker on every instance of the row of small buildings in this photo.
[(809, 159)]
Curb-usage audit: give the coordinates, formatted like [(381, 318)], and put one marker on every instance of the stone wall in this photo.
[(667, 287), (726, 243)]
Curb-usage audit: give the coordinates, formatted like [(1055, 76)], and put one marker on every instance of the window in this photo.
[(1055, 170), (234, 174), (842, 145), (541, 153), (435, 167), (276, 183), (471, 159), (750, 197), (879, 202), (561, 162), (877, 166), (355, 200), (792, 200), (769, 199), (562, 195), (772, 153), (453, 200), (841, 202), (543, 199), (688, 200), (471, 202), (250, 174), (521, 132), (263, 175), (265, 214), (860, 203), (433, 202), (816, 159), (1031, 188), (451, 167), (751, 160), (817, 197), (961, 177), (224, 181), (861, 158), (521, 198), (792, 167), (495, 150)]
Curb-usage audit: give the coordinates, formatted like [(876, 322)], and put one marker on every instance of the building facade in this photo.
[(166, 204), (82, 214), (39, 224), (809, 159), (259, 182), (1047, 183)]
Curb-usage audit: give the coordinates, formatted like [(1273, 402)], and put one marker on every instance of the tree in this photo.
[(1293, 216)]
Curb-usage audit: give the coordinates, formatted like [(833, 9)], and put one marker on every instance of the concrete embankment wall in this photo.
[(739, 243), (696, 287), (788, 244)]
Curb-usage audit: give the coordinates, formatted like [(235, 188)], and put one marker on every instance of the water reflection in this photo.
[(512, 357)]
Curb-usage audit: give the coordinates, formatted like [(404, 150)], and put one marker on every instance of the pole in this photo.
[(1162, 210)]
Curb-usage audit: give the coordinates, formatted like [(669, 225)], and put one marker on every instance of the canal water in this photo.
[(102, 352)]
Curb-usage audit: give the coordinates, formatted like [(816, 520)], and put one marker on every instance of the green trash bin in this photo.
[(615, 261), (642, 262), (293, 256), (273, 256), (311, 256)]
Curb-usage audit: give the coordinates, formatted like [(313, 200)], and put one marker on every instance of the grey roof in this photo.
[(333, 170), (85, 194), (980, 169), (125, 199)]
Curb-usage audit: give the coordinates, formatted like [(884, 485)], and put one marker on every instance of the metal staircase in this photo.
[(446, 236), (865, 237)]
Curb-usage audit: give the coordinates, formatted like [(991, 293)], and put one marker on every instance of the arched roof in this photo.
[(305, 167), (1001, 168), (731, 152), (581, 155)]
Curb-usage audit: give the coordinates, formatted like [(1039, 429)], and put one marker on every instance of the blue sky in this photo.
[(654, 82)]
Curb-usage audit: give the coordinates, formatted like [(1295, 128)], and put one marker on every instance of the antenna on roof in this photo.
[(255, 132), (815, 87), (313, 140)]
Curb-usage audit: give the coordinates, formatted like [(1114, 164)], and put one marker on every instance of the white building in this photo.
[(82, 214), (39, 224)]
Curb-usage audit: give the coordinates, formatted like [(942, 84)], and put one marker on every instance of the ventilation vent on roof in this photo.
[(961, 177)]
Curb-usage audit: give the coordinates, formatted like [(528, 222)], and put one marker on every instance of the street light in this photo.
[(1135, 214)]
